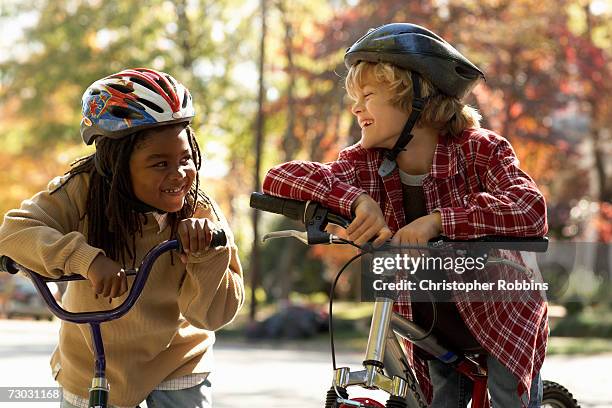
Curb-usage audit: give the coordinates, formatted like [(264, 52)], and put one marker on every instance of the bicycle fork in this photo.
[(98, 393), (373, 377)]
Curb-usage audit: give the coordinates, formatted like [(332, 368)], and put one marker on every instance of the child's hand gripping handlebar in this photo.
[(141, 273), (316, 217), (100, 389)]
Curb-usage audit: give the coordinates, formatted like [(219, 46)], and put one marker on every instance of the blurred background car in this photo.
[(4, 280), (22, 300)]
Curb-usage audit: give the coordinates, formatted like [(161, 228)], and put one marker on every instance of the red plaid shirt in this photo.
[(476, 184)]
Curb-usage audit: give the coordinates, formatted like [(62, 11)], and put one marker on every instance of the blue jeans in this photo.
[(454, 390), (199, 396)]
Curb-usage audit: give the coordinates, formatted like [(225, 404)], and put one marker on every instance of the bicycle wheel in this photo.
[(557, 396)]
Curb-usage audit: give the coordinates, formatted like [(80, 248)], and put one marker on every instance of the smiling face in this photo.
[(381, 122), (162, 168)]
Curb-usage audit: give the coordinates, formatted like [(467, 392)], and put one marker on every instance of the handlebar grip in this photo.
[(218, 238), (293, 209), (7, 265)]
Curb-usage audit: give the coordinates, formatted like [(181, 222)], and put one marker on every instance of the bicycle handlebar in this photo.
[(308, 211), (98, 394), (293, 209), (142, 273)]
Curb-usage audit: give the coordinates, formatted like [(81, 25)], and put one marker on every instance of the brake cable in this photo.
[(331, 301)]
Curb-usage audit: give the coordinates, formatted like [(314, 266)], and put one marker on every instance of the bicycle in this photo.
[(385, 364), (100, 386)]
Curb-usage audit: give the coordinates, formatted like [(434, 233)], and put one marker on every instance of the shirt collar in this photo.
[(162, 220), (446, 158)]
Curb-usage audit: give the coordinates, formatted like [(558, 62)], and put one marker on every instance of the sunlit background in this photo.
[(548, 90)]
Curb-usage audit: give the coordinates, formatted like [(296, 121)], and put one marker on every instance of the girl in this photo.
[(139, 188)]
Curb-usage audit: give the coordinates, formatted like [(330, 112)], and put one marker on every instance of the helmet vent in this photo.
[(466, 72), (121, 88), (151, 105), (134, 104), (95, 91), (163, 86), (124, 113), (185, 97), (169, 78), (143, 83)]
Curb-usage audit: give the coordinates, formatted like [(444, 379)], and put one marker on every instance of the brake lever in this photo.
[(301, 236)]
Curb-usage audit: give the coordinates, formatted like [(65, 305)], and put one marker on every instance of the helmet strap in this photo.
[(418, 103)]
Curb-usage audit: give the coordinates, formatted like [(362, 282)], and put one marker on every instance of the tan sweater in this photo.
[(169, 331)]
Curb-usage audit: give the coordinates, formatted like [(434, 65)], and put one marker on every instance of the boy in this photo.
[(424, 167)]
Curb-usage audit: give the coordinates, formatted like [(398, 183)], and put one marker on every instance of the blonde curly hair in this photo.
[(442, 112)]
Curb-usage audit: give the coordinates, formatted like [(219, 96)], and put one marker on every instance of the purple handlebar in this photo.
[(94, 319), (40, 282)]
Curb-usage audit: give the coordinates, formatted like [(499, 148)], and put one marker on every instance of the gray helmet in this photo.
[(422, 52), (415, 48)]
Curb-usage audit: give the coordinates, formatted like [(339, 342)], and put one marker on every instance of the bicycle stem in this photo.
[(372, 376), (381, 317)]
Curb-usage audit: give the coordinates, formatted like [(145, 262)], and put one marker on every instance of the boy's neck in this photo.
[(418, 156)]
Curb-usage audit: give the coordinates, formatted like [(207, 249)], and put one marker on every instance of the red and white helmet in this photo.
[(132, 100)]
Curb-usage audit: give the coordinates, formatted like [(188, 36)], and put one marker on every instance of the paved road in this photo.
[(267, 376)]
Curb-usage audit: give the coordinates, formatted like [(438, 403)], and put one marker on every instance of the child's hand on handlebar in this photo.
[(419, 231), (196, 235), (368, 222), (107, 277)]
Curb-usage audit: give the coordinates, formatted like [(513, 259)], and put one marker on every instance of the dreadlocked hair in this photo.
[(113, 217)]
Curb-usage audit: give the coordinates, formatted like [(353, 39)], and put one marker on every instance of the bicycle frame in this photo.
[(99, 391), (384, 350), (100, 387)]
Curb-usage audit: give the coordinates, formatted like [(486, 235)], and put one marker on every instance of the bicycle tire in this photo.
[(557, 396)]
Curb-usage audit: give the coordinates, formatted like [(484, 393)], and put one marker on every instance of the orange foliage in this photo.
[(22, 176), (537, 159), (603, 222)]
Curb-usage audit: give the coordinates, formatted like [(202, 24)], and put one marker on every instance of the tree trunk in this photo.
[(289, 146), (603, 263), (184, 35), (289, 140), (258, 145)]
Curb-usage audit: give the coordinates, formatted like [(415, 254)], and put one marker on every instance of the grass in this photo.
[(578, 346), (591, 322), (351, 324), (352, 321)]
